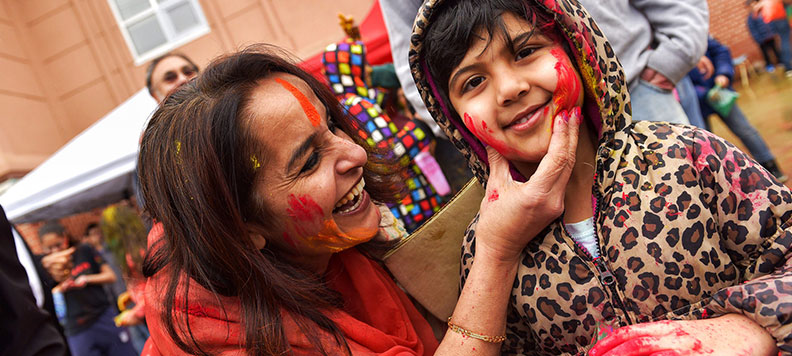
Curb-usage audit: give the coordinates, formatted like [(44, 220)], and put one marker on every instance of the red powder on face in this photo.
[(289, 240), (493, 196), (307, 107), (485, 135), (304, 212), (568, 88)]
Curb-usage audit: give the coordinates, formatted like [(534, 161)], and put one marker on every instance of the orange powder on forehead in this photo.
[(307, 107)]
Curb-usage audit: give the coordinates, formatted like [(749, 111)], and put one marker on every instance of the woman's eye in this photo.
[(472, 83), (312, 161), (525, 52), (331, 125)]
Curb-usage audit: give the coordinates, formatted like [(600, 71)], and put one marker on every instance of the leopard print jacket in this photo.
[(689, 227)]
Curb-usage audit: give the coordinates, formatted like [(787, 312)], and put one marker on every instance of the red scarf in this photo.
[(378, 318)]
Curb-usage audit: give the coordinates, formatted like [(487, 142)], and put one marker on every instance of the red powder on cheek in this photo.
[(307, 107), (568, 88), (493, 196), (304, 212), (485, 135), (289, 240)]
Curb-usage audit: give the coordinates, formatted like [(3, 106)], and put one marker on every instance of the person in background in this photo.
[(93, 236), (89, 325), (168, 72), (657, 43), (773, 14), (764, 37), (26, 329), (722, 76)]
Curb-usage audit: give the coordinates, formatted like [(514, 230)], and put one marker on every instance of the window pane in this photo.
[(146, 34), (129, 8), (183, 17)]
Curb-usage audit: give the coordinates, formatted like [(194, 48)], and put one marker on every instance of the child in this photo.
[(735, 120), (661, 222)]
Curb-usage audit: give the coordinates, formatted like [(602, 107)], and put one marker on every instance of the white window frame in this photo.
[(172, 40)]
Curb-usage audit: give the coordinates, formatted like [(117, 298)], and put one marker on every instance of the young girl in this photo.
[(661, 223)]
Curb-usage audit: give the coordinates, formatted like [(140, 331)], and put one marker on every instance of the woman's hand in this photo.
[(513, 213), (731, 334)]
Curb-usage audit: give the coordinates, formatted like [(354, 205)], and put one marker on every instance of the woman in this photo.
[(261, 193)]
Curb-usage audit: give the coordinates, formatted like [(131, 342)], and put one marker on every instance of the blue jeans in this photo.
[(781, 27), (739, 125), (102, 338), (650, 103), (688, 98)]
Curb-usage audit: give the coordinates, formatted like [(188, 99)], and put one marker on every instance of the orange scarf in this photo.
[(378, 318)]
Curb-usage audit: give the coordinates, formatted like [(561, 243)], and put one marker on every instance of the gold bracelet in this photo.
[(486, 338)]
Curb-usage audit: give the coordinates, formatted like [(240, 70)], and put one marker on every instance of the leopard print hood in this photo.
[(606, 94), (687, 226)]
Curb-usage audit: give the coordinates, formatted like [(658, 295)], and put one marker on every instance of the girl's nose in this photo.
[(511, 88)]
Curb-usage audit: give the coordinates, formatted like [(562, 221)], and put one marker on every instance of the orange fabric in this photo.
[(378, 318), (772, 10)]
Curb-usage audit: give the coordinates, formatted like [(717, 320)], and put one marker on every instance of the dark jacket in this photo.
[(24, 328), (722, 61)]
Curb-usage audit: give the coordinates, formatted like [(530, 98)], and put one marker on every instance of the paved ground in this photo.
[(770, 112)]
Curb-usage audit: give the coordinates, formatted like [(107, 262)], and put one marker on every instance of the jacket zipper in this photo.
[(606, 276)]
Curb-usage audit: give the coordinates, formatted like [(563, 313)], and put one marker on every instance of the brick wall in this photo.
[(727, 25)]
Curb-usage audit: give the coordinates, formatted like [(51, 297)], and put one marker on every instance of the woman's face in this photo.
[(311, 174), (508, 96)]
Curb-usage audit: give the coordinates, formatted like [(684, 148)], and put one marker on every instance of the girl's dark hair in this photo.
[(198, 181), (455, 25)]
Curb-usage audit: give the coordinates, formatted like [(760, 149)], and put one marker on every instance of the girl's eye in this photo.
[(472, 83), (311, 162), (525, 52)]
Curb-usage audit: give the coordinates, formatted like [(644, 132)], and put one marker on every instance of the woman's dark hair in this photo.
[(455, 25), (197, 180)]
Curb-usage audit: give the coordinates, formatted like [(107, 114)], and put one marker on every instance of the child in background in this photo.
[(669, 235), (735, 120)]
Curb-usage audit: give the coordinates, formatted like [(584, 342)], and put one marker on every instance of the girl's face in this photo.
[(508, 96), (312, 172)]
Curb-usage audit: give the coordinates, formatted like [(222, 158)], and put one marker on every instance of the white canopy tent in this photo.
[(92, 170)]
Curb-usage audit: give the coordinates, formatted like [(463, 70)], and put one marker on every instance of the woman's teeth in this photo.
[(352, 195)]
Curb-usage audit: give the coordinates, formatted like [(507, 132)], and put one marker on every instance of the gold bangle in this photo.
[(486, 338)]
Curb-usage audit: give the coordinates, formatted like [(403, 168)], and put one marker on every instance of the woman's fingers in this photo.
[(555, 168), (499, 166)]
